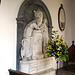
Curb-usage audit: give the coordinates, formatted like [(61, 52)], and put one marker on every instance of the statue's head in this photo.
[(39, 16)]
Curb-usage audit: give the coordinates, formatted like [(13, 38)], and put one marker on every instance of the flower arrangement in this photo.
[(56, 47)]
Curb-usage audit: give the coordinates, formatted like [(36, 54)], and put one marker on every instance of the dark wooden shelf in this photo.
[(14, 72)]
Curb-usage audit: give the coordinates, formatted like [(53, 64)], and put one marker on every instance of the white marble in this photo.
[(35, 66), (34, 40), (37, 45), (45, 37), (27, 42), (34, 46)]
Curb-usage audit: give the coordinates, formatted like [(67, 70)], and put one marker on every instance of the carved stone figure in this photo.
[(34, 38), (44, 35)]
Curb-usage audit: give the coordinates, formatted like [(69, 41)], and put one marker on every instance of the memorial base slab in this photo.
[(39, 67)]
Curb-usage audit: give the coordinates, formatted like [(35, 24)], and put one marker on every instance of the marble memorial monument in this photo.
[(35, 38), (34, 42)]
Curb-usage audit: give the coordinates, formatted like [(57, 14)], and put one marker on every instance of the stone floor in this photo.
[(63, 72), (67, 71)]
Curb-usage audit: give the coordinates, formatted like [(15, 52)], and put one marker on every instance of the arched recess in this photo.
[(25, 15)]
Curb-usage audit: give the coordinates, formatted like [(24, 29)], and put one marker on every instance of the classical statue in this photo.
[(34, 38)]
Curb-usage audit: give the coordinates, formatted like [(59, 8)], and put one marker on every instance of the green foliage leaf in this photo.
[(52, 34), (53, 31), (57, 37), (62, 57), (56, 47)]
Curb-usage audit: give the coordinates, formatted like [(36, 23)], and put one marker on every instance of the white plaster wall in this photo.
[(8, 28), (53, 6)]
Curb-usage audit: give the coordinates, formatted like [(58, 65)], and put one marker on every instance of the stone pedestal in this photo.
[(37, 66), (37, 45)]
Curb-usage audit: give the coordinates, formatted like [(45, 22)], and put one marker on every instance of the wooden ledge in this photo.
[(14, 72)]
